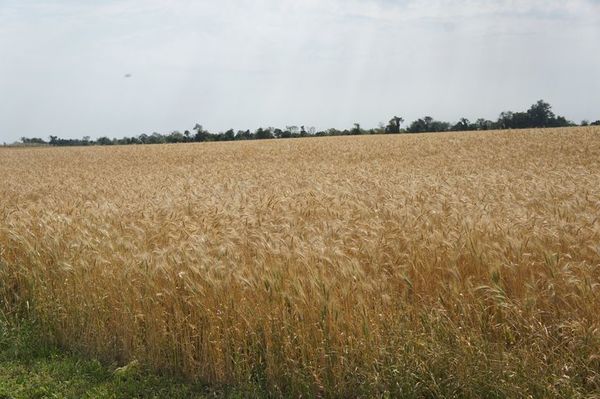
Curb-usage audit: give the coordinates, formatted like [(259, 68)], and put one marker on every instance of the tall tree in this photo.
[(540, 114), (394, 124), (462, 125)]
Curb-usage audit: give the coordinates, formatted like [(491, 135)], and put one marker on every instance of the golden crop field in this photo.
[(458, 264)]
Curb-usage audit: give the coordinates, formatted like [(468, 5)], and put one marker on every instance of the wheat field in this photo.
[(437, 265)]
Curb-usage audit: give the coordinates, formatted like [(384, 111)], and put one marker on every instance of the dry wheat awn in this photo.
[(463, 264)]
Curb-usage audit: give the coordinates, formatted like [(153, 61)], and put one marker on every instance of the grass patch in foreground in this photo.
[(31, 369)]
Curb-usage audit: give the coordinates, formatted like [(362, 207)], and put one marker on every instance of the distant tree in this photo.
[(229, 135), (540, 114), (484, 124), (175, 137), (277, 133), (394, 125), (144, 138), (428, 124), (440, 126), (104, 141), (244, 135), (585, 122), (463, 125), (33, 140), (156, 138), (597, 123), (133, 140), (505, 120), (262, 134), (285, 134), (560, 121), (521, 120), (201, 134), (418, 126), (514, 120)]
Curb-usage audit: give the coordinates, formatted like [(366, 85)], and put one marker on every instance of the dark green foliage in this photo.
[(201, 134), (33, 140), (175, 137), (229, 135), (539, 115), (484, 124), (100, 141), (428, 124), (244, 135), (394, 125), (262, 134), (463, 125)]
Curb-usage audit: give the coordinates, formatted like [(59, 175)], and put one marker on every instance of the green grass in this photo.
[(30, 369)]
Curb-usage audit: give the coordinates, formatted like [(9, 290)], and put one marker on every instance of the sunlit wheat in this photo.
[(462, 264)]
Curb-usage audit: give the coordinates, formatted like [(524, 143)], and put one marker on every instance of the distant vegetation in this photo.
[(539, 115)]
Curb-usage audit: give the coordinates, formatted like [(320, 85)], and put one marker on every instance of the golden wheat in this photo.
[(462, 264)]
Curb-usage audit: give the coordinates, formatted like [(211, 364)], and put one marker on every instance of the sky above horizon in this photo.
[(242, 64)]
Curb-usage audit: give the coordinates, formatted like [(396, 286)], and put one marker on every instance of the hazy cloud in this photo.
[(328, 63)]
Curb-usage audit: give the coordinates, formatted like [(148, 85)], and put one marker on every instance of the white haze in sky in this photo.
[(328, 63)]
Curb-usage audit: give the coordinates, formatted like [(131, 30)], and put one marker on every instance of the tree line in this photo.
[(539, 115)]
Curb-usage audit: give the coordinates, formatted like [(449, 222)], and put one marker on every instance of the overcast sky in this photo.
[(326, 63)]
